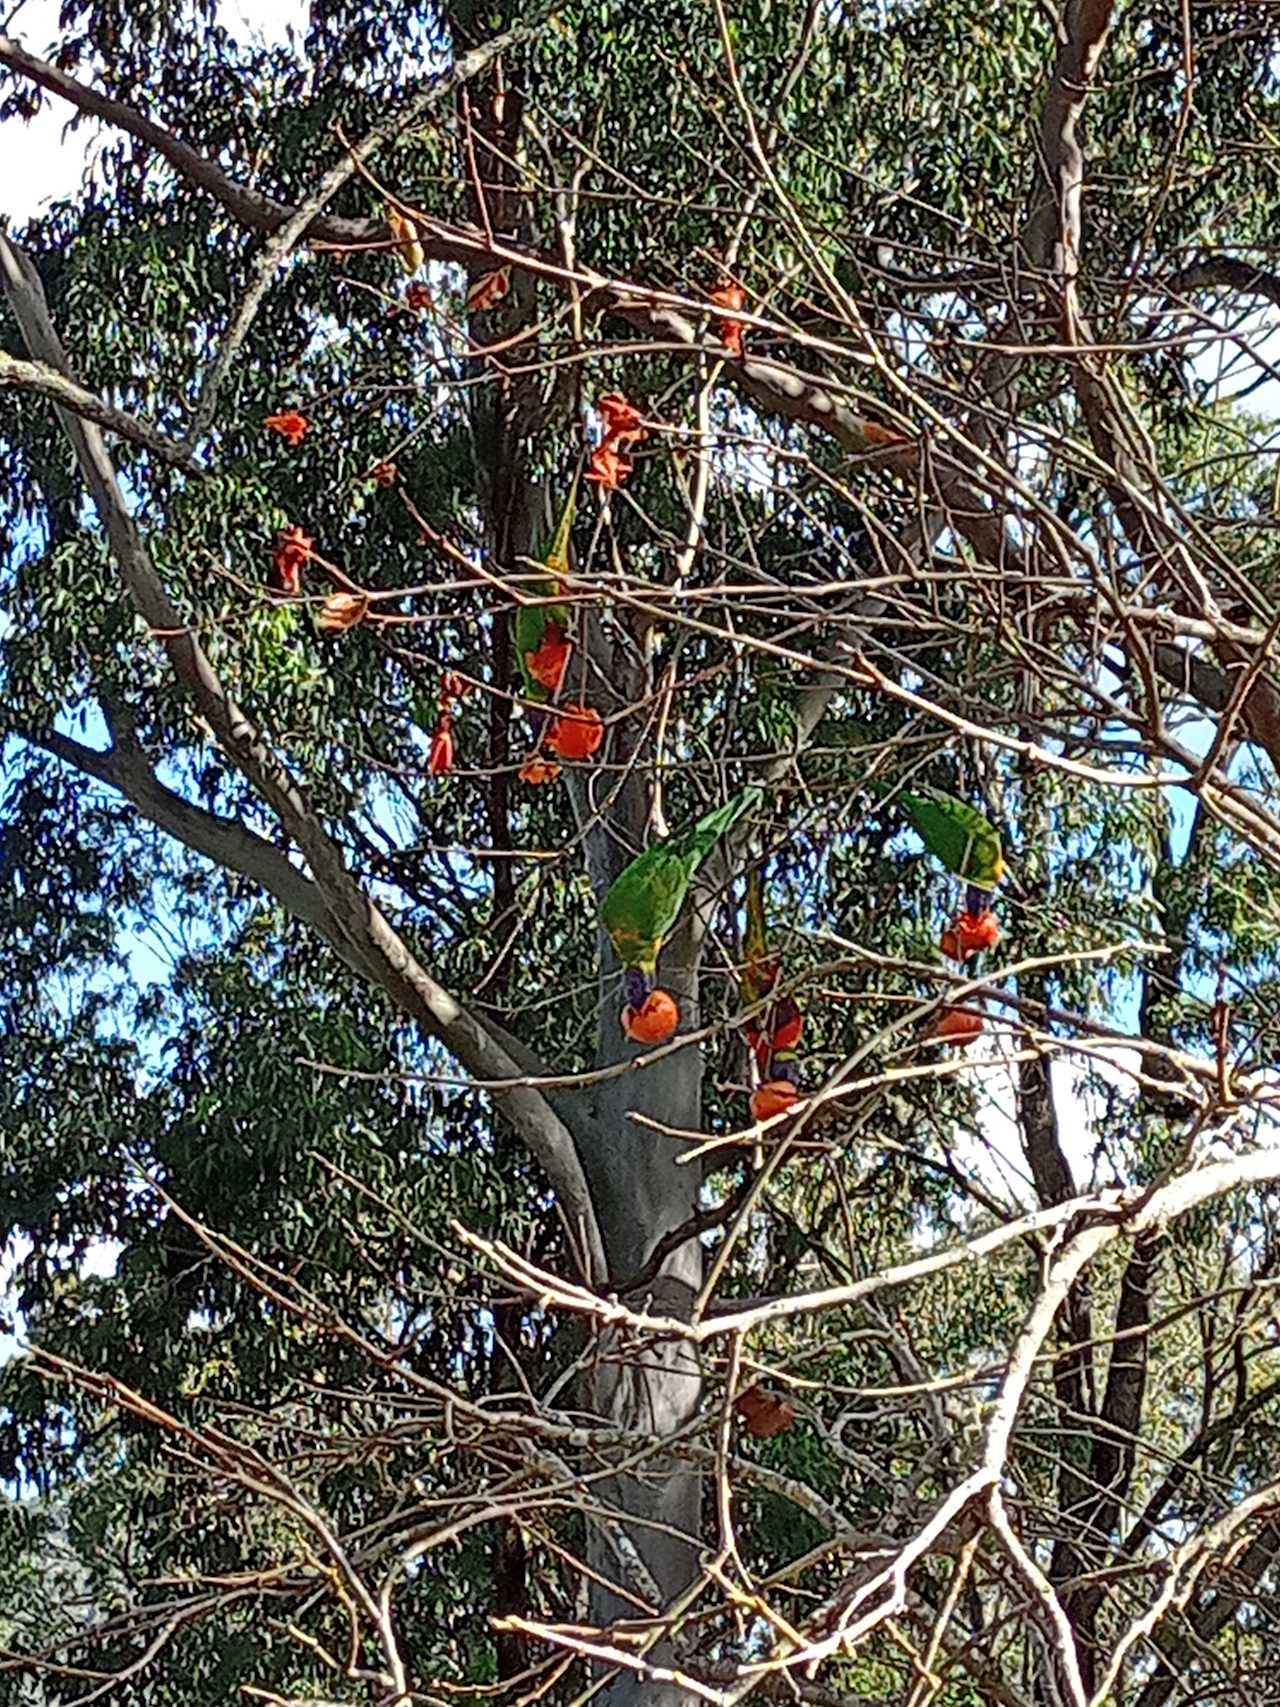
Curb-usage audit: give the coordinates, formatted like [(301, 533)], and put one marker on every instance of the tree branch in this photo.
[(251, 207), (227, 843), (781, 390), (1226, 1598), (351, 914), (1224, 272), (282, 240), (67, 394), (1211, 687)]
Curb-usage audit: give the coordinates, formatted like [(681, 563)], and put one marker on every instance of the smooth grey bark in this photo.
[(640, 1193)]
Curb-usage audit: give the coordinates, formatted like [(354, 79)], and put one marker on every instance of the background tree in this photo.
[(461, 1345)]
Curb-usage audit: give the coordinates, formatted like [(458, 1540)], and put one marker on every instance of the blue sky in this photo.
[(39, 162)]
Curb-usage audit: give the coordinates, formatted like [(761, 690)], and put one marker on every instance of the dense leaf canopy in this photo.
[(383, 1308)]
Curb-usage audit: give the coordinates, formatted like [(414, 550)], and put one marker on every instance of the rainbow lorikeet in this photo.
[(772, 1035), (541, 630), (967, 843), (645, 899)]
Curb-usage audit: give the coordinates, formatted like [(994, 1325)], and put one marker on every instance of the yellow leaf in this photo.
[(405, 233)]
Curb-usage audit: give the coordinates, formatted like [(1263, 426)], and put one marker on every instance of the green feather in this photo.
[(967, 843), (759, 970), (557, 558), (645, 899), (529, 627), (530, 630)]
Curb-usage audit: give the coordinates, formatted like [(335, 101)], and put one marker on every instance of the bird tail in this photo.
[(697, 842)]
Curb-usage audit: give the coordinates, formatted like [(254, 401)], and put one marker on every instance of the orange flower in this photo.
[(537, 770), (764, 1414), (290, 425), (384, 474), (958, 1025), (608, 468), (452, 686), (417, 296), (576, 733), (969, 934), (775, 1096), (734, 298), (405, 233), (622, 423), (875, 434), (488, 290), (341, 611), (293, 548), (440, 758), (654, 1021), (548, 664), (730, 296)]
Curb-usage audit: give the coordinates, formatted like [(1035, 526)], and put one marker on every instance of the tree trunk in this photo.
[(640, 1193)]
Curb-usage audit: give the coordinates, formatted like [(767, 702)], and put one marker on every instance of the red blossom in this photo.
[(608, 468), (290, 425), (293, 548), (576, 732), (536, 770), (440, 759), (958, 1025), (417, 296), (732, 297), (622, 420), (384, 474), (488, 291)]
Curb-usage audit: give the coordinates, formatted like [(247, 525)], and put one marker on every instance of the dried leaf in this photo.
[(341, 611), (488, 290), (763, 1413), (405, 232)]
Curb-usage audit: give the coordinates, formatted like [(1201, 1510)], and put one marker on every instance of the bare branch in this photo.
[(58, 388), (352, 916)]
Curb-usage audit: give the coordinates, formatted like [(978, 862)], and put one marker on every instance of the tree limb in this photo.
[(251, 207), (1224, 272), (464, 67), (60, 389), (351, 914), (124, 767), (234, 847), (1212, 1616)]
